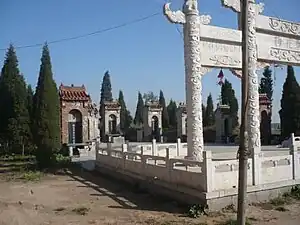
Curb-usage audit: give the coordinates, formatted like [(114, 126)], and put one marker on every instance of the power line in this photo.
[(88, 34)]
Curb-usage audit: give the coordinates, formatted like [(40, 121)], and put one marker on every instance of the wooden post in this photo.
[(243, 154)]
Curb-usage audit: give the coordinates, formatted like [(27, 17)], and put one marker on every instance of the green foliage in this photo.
[(30, 106), (81, 210), (266, 83), (209, 112), (14, 121), (295, 192), (31, 176), (204, 115), (266, 87), (105, 96), (165, 115), (19, 158), (138, 118), (171, 108), (106, 89), (46, 112), (197, 210), (228, 98), (290, 105), (61, 161), (150, 97), (126, 118)]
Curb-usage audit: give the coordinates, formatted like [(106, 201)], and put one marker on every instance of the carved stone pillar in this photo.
[(253, 95), (253, 113), (193, 81), (193, 73)]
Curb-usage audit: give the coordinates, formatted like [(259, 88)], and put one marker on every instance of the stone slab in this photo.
[(277, 41), (272, 25), (278, 49)]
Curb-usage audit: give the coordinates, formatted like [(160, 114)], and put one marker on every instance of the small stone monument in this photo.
[(93, 122), (223, 123), (152, 121), (111, 122)]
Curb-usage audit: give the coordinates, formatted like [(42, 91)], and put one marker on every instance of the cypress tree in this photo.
[(165, 115), (105, 96), (204, 122), (149, 97), (106, 90), (138, 118), (266, 87), (171, 108), (126, 119), (209, 112), (14, 120), (228, 98), (46, 112), (30, 100), (290, 105), (30, 95), (266, 83)]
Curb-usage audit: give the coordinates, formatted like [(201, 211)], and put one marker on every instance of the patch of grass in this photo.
[(60, 209), (281, 209), (295, 193), (13, 158), (229, 208), (278, 201), (253, 219), (31, 176), (81, 210)]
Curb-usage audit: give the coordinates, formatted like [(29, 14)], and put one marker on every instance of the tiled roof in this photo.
[(73, 93)]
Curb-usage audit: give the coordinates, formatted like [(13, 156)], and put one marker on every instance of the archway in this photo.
[(75, 126), (112, 124)]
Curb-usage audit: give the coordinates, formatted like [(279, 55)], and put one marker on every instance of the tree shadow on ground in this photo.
[(126, 195)]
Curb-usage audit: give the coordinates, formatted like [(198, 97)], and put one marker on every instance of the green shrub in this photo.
[(62, 161), (197, 210)]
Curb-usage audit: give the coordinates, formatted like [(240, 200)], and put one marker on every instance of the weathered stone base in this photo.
[(215, 200)]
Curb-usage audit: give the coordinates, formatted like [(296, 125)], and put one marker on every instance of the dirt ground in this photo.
[(87, 199)]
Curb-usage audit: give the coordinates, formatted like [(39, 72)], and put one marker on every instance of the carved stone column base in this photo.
[(191, 159)]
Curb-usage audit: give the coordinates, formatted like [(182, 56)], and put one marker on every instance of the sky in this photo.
[(145, 56)]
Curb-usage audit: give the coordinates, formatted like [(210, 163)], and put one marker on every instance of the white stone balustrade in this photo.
[(207, 176)]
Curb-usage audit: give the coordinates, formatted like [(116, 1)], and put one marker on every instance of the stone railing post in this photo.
[(124, 147), (109, 148), (178, 146), (295, 158), (208, 171), (143, 160), (256, 167), (168, 164), (70, 151), (154, 147)]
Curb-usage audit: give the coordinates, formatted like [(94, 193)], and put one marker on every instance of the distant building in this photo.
[(79, 116)]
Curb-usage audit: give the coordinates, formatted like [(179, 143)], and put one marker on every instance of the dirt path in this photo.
[(88, 199)]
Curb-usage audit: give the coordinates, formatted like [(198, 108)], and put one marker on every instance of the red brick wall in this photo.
[(66, 107)]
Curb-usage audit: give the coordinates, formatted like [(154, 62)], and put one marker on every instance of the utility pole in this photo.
[(243, 147)]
